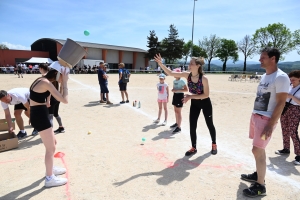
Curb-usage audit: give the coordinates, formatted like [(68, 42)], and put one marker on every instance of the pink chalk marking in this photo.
[(23, 159), (61, 156), (170, 164)]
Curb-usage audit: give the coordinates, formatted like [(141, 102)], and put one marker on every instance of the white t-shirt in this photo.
[(18, 95), (162, 91), (269, 86), (297, 95)]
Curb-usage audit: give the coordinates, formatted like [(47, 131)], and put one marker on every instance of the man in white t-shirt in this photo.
[(271, 93), (19, 97)]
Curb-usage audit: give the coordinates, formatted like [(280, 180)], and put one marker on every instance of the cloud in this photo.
[(15, 46)]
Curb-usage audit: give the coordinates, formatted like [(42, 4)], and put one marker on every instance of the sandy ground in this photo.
[(111, 163)]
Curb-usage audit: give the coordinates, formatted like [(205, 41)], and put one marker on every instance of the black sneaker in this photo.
[(255, 190), (283, 152), (34, 132), (21, 135), (127, 101), (297, 160), (214, 150), (122, 102), (174, 125), (60, 130), (249, 177), (190, 152), (177, 130)]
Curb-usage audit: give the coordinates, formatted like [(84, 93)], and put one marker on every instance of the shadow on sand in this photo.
[(177, 172)]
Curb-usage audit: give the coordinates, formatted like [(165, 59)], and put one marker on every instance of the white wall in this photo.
[(127, 57), (112, 56), (93, 53)]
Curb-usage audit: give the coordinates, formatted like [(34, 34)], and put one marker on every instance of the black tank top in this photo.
[(38, 97)]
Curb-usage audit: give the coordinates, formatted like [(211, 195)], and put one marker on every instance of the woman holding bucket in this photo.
[(40, 89)]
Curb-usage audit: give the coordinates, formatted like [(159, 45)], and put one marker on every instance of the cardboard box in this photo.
[(4, 126), (8, 141)]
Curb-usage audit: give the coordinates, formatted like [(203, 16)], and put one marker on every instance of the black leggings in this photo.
[(196, 106)]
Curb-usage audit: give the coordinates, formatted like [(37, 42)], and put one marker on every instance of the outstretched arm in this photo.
[(169, 72)]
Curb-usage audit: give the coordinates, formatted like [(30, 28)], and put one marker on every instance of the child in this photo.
[(179, 87), (163, 98)]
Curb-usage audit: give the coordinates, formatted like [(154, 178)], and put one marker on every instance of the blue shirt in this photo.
[(100, 77), (121, 71), (178, 85)]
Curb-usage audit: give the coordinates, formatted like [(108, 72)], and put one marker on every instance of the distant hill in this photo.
[(284, 66), (230, 62)]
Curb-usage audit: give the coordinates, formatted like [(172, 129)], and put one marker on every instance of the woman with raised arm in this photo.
[(40, 89), (199, 96)]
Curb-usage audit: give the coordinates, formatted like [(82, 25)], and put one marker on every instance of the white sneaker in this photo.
[(59, 170), (296, 162), (156, 121), (164, 123), (55, 181)]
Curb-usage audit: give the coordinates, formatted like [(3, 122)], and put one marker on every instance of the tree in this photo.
[(153, 45), (198, 52), (3, 46), (228, 50), (247, 47), (274, 35), (210, 46), (172, 47), (296, 37), (186, 51)]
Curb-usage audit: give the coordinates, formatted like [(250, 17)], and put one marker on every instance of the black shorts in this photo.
[(20, 71), (20, 106), (177, 100), (103, 88), (123, 86), (39, 117)]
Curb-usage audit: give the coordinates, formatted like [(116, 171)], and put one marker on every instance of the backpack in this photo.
[(125, 76)]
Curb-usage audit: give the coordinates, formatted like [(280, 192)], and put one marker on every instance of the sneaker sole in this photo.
[(249, 180), (55, 185), (262, 194), (282, 154), (191, 154), (59, 132), (296, 162)]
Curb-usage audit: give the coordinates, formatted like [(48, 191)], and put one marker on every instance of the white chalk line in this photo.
[(234, 154)]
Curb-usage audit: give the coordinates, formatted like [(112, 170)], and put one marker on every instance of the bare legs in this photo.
[(49, 141), (160, 105)]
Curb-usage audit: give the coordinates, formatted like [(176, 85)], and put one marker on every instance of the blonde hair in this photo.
[(121, 64), (199, 61)]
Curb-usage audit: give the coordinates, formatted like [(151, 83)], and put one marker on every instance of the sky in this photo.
[(128, 23)]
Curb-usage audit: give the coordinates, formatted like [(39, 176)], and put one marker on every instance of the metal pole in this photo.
[(193, 29)]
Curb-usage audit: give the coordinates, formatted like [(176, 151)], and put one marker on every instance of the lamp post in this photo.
[(193, 29)]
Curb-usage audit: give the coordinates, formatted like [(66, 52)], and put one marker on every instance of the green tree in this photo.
[(247, 47), (172, 47), (296, 37), (3, 46), (274, 35), (228, 50), (153, 45), (210, 46), (186, 51), (198, 52)]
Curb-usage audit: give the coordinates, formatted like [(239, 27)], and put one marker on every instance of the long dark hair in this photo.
[(51, 76), (44, 66), (199, 61)]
